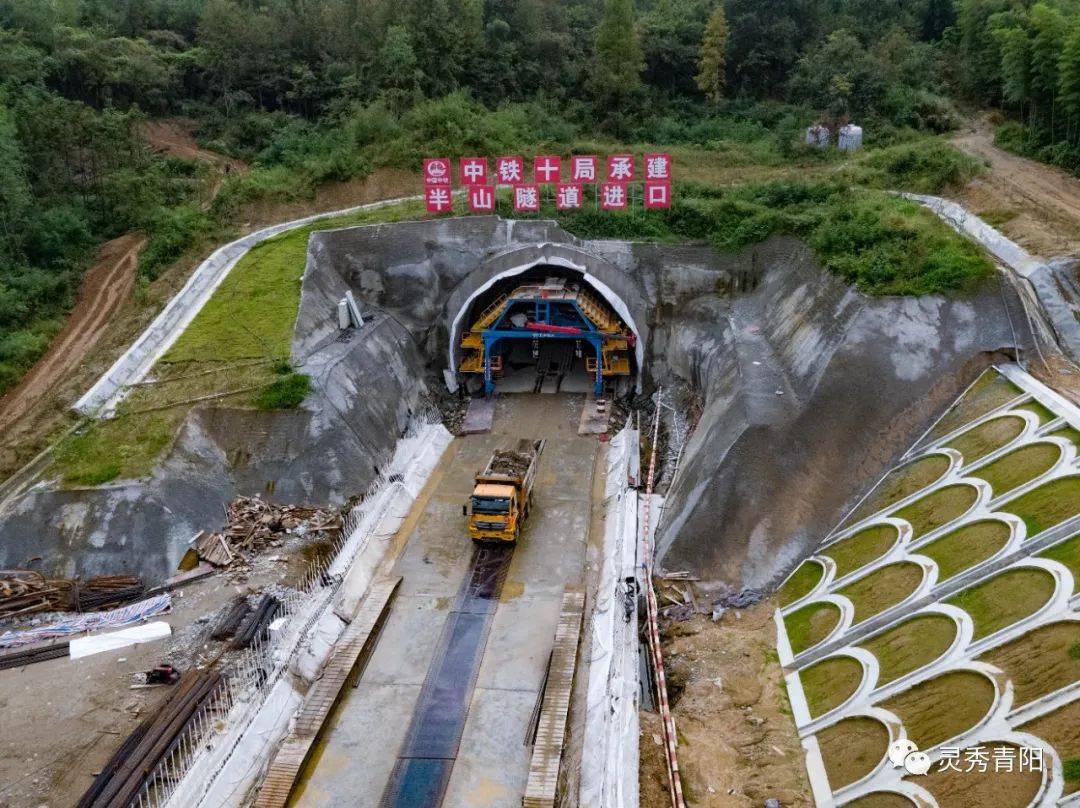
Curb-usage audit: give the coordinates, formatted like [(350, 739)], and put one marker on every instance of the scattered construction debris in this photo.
[(256, 622), (27, 592), (116, 618), (120, 781), (254, 524)]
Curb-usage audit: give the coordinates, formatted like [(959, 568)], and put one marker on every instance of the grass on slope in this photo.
[(943, 707), (228, 352), (1048, 505), (1040, 661), (1019, 466), (911, 645), (938, 508), (966, 546), (1005, 599), (901, 483), (987, 437), (882, 588), (810, 625), (990, 391), (1068, 553), (1061, 729), (831, 682), (1039, 411), (801, 582), (859, 549), (852, 748)]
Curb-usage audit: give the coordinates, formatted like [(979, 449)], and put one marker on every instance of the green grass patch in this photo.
[(911, 645), (801, 582), (990, 391), (115, 449), (1070, 434), (996, 217), (859, 549), (943, 707), (938, 508), (1071, 770), (882, 588), (810, 625), (1005, 599), (987, 437), (831, 682), (1019, 466), (966, 546), (852, 748), (1039, 662), (1044, 414), (1068, 553), (1048, 505), (285, 393), (925, 166), (902, 482)]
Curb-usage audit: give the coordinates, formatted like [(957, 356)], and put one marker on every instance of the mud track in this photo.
[(104, 288)]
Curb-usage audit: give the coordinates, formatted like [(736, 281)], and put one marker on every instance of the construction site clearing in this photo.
[(528, 541)]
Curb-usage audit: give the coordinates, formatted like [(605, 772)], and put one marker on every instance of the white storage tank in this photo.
[(850, 138)]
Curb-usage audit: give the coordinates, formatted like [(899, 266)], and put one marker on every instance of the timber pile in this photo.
[(252, 524), (25, 592), (119, 782)]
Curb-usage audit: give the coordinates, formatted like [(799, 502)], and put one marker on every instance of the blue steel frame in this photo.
[(543, 312)]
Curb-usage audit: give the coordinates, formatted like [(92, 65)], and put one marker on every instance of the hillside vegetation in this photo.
[(327, 90)]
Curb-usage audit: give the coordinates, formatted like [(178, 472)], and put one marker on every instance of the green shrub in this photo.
[(287, 393), (1071, 769), (171, 233), (926, 166)]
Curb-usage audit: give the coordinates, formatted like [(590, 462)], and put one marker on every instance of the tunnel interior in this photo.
[(545, 329)]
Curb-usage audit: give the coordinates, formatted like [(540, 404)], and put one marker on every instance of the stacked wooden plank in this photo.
[(26, 592), (119, 782), (350, 651)]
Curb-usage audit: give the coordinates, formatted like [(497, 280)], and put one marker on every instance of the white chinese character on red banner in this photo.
[(547, 168), (509, 170), (658, 194), (657, 166), (482, 198), (612, 196), (526, 197), (583, 168), (436, 171), (438, 199), (620, 168), (473, 170), (568, 197)]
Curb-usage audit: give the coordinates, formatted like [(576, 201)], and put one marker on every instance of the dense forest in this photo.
[(313, 90)]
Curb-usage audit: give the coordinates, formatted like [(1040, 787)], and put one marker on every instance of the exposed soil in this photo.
[(938, 508), (881, 799), (966, 546), (1060, 729), (987, 437), (1036, 205), (852, 748), (883, 588), (911, 645), (977, 789), (104, 289), (737, 742), (174, 137), (901, 483), (989, 392), (943, 707), (855, 552), (1005, 599), (1038, 663), (830, 683)]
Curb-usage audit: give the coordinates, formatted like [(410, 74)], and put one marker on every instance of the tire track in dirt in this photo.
[(102, 291)]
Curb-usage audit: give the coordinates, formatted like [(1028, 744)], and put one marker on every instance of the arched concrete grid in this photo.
[(518, 261), (1001, 721)]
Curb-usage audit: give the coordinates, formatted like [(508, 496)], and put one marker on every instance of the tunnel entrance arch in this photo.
[(548, 295)]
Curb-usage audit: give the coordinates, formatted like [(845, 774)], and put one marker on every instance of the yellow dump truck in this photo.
[(502, 495)]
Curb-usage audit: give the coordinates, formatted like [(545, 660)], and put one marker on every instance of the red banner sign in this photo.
[(657, 194), (547, 169), (481, 199), (473, 170), (613, 196), (439, 199), (527, 197), (437, 171), (583, 168), (620, 168), (568, 196), (509, 170), (657, 167)]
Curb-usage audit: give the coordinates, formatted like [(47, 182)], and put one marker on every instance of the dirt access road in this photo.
[(104, 288), (1036, 205)]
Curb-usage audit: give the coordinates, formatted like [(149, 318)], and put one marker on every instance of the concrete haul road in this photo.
[(465, 614)]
